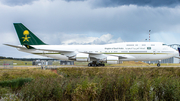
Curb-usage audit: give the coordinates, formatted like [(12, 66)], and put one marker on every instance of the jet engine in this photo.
[(113, 60), (82, 57)]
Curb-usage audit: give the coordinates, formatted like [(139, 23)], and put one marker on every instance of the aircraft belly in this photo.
[(147, 57)]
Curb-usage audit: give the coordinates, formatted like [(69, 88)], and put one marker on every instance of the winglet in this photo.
[(14, 46)]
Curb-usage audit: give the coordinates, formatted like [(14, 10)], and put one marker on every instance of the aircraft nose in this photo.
[(176, 53)]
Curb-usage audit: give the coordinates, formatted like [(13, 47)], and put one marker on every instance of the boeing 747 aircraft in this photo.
[(96, 55)]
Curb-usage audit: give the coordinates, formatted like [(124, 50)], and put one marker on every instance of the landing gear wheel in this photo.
[(101, 65), (158, 64), (95, 65), (89, 64)]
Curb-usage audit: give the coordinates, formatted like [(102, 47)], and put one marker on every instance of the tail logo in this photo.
[(26, 33)]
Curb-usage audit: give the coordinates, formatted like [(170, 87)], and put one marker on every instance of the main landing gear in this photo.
[(95, 64), (158, 64)]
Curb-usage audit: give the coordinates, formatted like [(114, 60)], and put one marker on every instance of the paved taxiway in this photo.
[(70, 66), (64, 66)]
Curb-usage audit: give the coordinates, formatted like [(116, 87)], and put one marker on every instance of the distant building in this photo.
[(42, 62), (66, 62), (170, 60)]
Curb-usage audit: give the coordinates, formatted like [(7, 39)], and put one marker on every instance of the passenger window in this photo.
[(130, 45)]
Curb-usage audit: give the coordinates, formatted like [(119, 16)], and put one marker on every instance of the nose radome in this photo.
[(176, 53)]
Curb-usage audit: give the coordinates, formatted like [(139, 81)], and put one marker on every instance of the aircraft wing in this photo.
[(96, 56), (59, 51), (67, 53), (99, 56)]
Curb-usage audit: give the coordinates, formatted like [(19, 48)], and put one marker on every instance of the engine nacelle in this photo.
[(82, 57), (113, 60)]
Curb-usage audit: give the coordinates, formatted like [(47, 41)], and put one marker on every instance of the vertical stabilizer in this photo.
[(26, 37)]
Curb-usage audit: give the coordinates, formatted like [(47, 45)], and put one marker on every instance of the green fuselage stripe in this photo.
[(136, 53)]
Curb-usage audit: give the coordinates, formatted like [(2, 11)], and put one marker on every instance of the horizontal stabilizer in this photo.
[(15, 46)]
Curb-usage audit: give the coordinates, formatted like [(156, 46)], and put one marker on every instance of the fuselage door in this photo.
[(154, 52)]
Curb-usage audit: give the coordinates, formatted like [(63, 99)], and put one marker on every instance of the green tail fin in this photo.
[(26, 37)]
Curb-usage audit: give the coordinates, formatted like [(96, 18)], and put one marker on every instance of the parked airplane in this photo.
[(96, 55)]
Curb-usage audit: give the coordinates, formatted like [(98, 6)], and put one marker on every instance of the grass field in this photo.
[(17, 62), (107, 84)]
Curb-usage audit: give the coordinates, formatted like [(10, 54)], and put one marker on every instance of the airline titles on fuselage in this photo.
[(133, 48)]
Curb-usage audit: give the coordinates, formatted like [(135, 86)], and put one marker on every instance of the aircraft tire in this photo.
[(89, 64), (158, 64)]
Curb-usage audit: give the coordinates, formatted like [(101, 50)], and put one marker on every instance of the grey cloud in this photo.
[(126, 22), (130, 23), (17, 2), (74, 0), (104, 39), (115, 3)]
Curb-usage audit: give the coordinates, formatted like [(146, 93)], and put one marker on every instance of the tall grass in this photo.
[(16, 83), (26, 73), (96, 84), (106, 84)]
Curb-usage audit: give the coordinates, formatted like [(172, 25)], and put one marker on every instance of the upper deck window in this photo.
[(124, 51), (152, 44), (130, 45), (143, 44)]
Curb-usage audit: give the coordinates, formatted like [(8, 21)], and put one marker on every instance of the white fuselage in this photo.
[(126, 51)]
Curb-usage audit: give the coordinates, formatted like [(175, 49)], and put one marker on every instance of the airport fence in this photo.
[(6, 64)]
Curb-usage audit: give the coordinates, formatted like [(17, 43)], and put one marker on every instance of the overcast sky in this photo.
[(89, 22)]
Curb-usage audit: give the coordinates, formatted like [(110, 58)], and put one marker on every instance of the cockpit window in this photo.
[(164, 44)]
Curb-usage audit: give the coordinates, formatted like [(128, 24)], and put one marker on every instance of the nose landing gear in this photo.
[(158, 64)]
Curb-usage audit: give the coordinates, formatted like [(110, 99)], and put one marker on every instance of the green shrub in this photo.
[(15, 83)]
